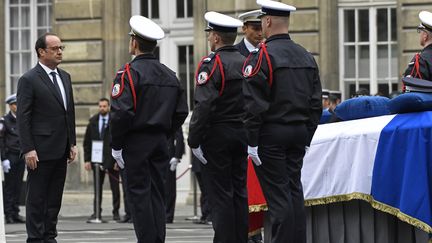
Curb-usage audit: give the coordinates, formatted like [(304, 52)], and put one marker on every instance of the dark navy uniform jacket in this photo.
[(149, 98), (241, 47), (9, 137), (421, 65), (288, 93), (218, 95)]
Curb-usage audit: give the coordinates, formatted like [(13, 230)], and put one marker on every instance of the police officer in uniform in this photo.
[(13, 165), (421, 64), (283, 108), (148, 106), (216, 133), (252, 32)]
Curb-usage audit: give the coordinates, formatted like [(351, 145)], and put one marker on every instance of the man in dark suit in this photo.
[(176, 148), (252, 32), (98, 130), (46, 124)]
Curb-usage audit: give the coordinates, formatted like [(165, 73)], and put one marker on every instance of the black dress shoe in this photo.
[(116, 217), (19, 219), (93, 216), (9, 220), (126, 219)]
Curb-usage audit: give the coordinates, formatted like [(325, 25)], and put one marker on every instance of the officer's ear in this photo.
[(267, 21)]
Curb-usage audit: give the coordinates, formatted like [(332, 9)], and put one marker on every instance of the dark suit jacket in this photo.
[(241, 47), (92, 133), (44, 124)]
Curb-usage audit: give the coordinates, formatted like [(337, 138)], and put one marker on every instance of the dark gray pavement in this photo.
[(77, 206)]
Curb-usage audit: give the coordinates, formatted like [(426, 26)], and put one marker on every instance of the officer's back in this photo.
[(157, 91)]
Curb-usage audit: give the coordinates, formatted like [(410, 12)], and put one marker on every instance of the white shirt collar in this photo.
[(249, 46), (47, 69)]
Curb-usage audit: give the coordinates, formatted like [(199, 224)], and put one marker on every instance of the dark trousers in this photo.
[(114, 178), (43, 201), (204, 203), (125, 194), (225, 178), (146, 164), (13, 182), (170, 194), (281, 150)]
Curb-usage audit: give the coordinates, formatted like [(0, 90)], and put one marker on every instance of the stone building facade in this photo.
[(357, 43)]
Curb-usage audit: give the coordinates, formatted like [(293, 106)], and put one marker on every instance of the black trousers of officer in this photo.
[(204, 202), (13, 182), (146, 164), (225, 175), (170, 195), (43, 201), (281, 150), (125, 195), (114, 179)]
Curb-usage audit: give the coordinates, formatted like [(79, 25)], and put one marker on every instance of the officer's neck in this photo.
[(427, 43), (219, 46)]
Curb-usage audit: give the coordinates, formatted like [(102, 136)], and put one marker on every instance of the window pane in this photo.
[(364, 61), (383, 61), (42, 16), (14, 43), (25, 17), (383, 88), (393, 25), (14, 17), (25, 40), (13, 1), (42, 1), (363, 17), (144, 8), (155, 9), (40, 32), (349, 26), (394, 61), (14, 83), (349, 89), (190, 8), (15, 64), (180, 8), (26, 62), (25, 1), (382, 23), (349, 62)]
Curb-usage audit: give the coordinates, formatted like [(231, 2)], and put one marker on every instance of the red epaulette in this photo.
[(250, 71), (203, 77), (117, 89)]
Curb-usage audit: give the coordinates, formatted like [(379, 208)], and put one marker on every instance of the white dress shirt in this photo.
[(59, 82)]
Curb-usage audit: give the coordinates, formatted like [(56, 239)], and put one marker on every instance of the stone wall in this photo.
[(95, 35)]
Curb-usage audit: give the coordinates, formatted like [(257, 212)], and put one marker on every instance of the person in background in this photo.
[(325, 99), (13, 164), (252, 32), (98, 130), (203, 200), (176, 149)]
